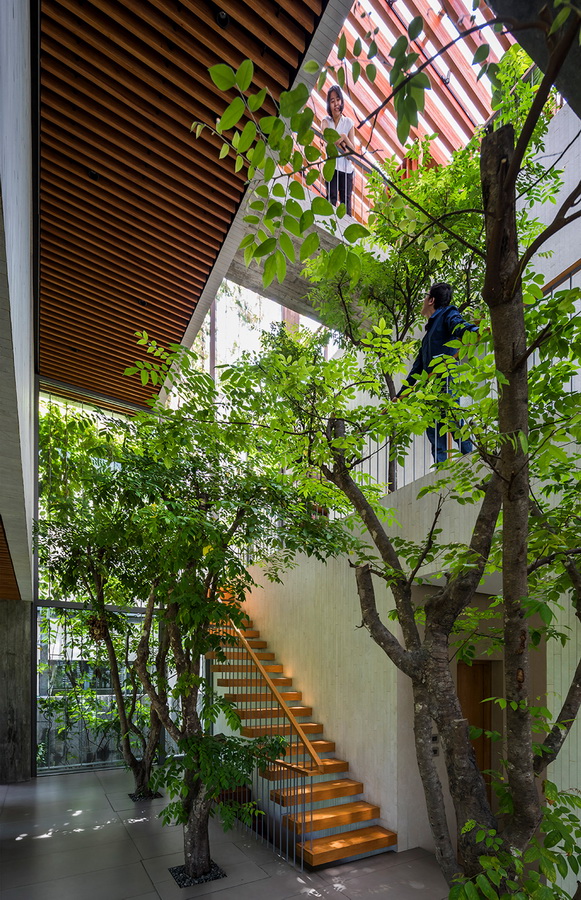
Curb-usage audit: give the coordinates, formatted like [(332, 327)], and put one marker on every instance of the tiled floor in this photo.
[(79, 837)]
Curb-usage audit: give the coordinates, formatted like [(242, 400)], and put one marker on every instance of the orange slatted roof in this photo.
[(133, 210)]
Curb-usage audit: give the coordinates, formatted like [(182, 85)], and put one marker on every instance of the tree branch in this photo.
[(382, 636)]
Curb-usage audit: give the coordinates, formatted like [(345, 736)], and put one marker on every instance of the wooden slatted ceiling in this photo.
[(134, 210), (9, 589)]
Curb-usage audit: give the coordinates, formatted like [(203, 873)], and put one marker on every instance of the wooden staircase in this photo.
[(315, 780)]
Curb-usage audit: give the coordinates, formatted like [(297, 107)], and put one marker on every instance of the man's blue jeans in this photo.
[(439, 442)]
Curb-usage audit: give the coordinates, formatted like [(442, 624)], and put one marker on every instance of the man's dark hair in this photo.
[(442, 294), (335, 90)]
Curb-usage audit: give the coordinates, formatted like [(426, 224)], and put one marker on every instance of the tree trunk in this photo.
[(503, 294), (196, 838)]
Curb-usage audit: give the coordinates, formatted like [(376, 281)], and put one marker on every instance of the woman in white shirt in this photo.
[(342, 181)]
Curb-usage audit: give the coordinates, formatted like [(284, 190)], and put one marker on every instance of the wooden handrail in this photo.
[(283, 704)]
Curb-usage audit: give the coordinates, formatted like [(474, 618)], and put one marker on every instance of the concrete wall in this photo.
[(17, 403), (17, 407)]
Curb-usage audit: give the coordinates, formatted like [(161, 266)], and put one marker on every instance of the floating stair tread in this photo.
[(250, 633), (228, 667), (280, 728), (239, 654), (322, 790), (350, 843), (319, 747), (332, 817), (275, 712), (329, 766), (262, 697), (283, 681), (257, 645)]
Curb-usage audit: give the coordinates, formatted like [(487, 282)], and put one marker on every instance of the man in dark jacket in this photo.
[(444, 324)]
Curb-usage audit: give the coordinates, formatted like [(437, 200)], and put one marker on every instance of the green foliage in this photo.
[(536, 872)]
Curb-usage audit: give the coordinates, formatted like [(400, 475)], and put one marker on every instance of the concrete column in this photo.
[(15, 691)]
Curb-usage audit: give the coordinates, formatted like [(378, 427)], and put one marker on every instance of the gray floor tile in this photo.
[(418, 880), (58, 841), (60, 823), (48, 867), (123, 883)]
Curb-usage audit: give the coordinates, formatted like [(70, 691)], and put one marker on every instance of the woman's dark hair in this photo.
[(335, 90), (441, 293)]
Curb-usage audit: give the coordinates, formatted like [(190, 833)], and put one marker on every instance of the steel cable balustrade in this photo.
[(252, 683)]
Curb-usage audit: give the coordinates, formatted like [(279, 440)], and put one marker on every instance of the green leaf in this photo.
[(256, 100), (239, 163), (353, 266), (470, 891), (481, 54), (265, 247), (312, 153), (486, 888), (223, 76), (560, 19), (247, 137), (372, 50), (355, 70), (329, 169), (287, 246), (341, 77), (296, 190), (269, 272), (309, 246), (292, 225), (357, 47), (269, 168), (245, 74), (267, 123), (232, 114), (224, 149), (294, 207), (371, 71), (342, 46), (415, 28), (292, 101), (311, 66), (322, 80), (355, 231), (312, 177), (336, 260), (306, 220), (280, 262), (322, 207), (400, 47), (258, 154)]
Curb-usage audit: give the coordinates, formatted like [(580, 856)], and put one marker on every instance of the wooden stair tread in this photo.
[(282, 728), (321, 790), (228, 667), (282, 681), (350, 843), (261, 697), (239, 654), (320, 746), (329, 765), (332, 816), (275, 712), (250, 633)]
